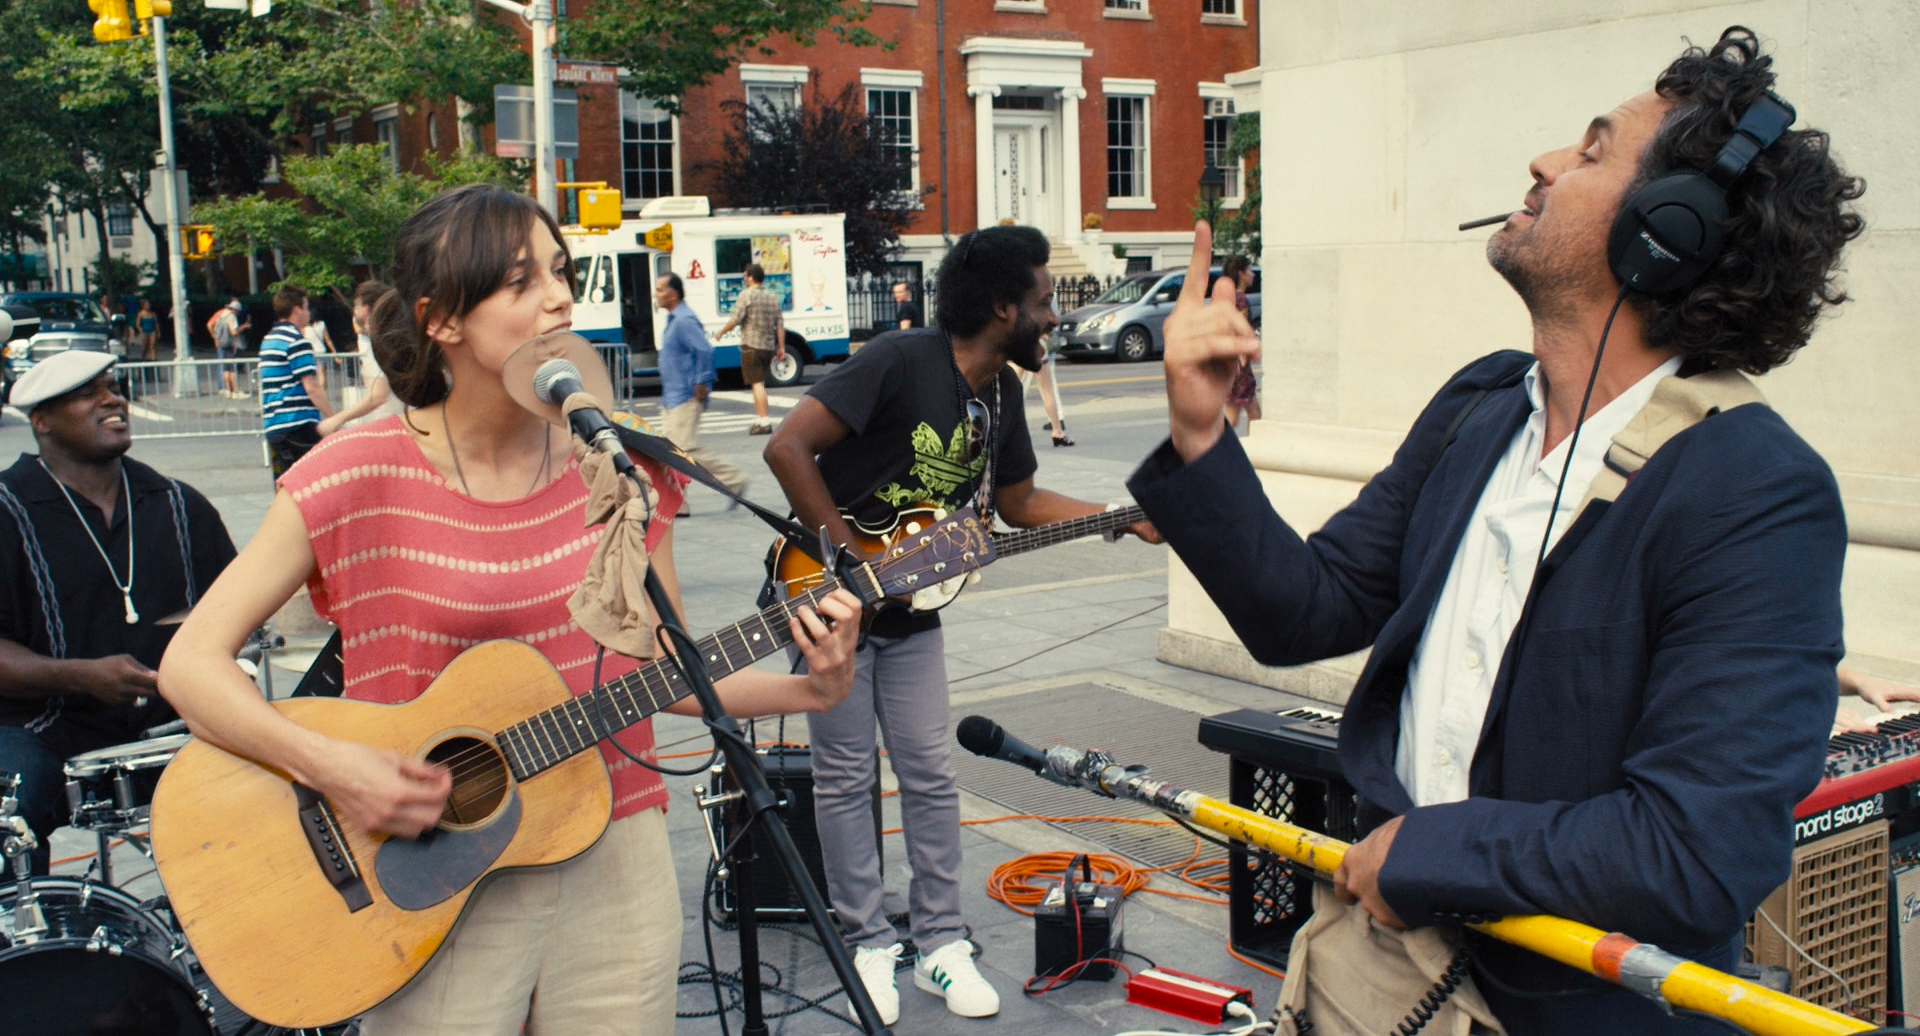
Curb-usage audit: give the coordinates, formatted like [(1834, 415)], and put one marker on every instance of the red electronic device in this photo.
[(1189, 996)]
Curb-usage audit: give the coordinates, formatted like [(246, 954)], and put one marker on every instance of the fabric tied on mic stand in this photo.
[(611, 603)]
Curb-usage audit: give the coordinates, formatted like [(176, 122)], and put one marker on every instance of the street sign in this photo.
[(594, 72), (660, 238)]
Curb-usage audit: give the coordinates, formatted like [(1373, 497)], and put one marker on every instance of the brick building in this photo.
[(1045, 112)]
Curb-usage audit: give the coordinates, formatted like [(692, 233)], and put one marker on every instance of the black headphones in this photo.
[(1670, 230)]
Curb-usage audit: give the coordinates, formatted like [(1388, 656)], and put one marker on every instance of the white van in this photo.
[(804, 258)]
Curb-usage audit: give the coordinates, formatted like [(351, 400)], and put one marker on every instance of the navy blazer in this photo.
[(1663, 704)]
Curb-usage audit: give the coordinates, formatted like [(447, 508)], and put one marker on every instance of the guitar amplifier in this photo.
[(790, 772), (1285, 765)]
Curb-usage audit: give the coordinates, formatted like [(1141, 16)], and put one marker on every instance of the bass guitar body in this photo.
[(252, 860), (797, 573)]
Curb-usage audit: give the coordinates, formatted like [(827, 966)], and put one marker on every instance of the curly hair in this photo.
[(985, 268), (1788, 220)]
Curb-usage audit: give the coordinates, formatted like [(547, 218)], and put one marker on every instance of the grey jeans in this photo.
[(900, 686)]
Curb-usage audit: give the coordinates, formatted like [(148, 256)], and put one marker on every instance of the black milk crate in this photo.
[(1280, 765)]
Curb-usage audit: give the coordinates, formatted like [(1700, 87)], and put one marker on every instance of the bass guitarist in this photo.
[(919, 415), (425, 533)]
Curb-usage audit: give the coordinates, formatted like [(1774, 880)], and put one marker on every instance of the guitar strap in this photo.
[(663, 450)]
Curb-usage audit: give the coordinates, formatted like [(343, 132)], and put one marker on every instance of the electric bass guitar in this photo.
[(799, 573), (304, 919)]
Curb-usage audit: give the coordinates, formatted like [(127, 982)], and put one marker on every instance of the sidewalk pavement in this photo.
[(1078, 619)]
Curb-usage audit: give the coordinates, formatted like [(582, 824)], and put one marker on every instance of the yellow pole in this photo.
[(1612, 956)]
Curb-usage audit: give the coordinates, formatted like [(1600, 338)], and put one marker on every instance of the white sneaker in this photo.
[(949, 972), (876, 965)]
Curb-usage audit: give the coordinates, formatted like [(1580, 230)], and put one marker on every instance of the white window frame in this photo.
[(774, 77), (1140, 11), (1021, 6), (1238, 17), (910, 83), (630, 199), (1143, 89), (1214, 95), (318, 138), (386, 130)]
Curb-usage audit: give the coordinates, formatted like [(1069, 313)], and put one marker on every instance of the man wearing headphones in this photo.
[(1618, 733)]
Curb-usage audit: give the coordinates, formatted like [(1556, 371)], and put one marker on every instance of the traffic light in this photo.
[(600, 209), (145, 9), (112, 23), (196, 240)]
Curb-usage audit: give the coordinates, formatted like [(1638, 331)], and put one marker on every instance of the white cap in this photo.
[(234, 305), (57, 375)]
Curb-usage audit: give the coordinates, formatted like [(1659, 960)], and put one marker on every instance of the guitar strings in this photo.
[(481, 758)]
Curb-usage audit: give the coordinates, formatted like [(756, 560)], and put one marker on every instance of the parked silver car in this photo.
[(1125, 320)]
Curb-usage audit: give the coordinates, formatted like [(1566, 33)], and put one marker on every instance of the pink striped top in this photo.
[(413, 571)]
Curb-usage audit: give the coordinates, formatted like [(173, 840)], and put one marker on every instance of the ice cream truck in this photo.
[(804, 257)]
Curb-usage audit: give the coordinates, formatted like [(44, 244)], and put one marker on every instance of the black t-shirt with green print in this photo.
[(900, 396)]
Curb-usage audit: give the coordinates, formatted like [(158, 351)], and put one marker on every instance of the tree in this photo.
[(668, 47), (823, 157), (1237, 232), (354, 203)]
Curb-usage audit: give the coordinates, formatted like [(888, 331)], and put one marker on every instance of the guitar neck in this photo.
[(1047, 535), (548, 738)]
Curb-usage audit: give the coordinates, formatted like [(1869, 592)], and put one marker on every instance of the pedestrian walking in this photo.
[(686, 379), (292, 399), (763, 340), (148, 323), (227, 326)]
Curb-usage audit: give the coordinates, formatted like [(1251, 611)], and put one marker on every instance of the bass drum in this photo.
[(103, 967)]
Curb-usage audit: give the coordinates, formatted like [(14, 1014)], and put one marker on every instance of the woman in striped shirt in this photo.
[(422, 534)]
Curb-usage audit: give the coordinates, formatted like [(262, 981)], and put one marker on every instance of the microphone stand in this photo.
[(760, 805)]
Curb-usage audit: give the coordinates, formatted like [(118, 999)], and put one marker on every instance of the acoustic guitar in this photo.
[(799, 573), (304, 919)]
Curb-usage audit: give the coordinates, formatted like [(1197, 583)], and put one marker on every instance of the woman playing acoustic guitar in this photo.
[(423, 534)]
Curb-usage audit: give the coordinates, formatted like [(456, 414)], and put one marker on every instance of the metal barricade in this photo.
[(187, 399), (620, 368)]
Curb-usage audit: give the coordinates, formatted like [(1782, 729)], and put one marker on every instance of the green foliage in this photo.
[(824, 156), (353, 204), (667, 47), (124, 274), (1238, 232)]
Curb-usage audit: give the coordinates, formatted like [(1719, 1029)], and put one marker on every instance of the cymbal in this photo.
[(517, 373)]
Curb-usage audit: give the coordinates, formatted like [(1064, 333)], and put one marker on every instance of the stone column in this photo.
[(983, 183), (1070, 98)]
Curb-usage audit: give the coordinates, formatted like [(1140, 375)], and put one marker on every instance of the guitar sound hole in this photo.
[(480, 779)]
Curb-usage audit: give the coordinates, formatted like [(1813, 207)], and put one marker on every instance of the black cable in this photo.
[(1704, 1016), (1600, 351), (1057, 646), (668, 771)]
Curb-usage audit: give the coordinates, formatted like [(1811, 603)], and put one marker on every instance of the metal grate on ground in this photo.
[(1090, 716)]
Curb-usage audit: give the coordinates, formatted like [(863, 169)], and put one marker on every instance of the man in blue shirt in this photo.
[(686, 378), (292, 401)]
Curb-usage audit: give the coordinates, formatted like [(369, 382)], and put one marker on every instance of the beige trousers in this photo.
[(584, 947), (683, 430)]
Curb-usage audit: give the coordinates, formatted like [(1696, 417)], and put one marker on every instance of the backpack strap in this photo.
[(1677, 404)]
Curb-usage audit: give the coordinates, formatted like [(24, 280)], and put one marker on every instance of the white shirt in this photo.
[(1450, 680)]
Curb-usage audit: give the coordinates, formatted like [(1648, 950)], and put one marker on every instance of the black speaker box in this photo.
[(790, 773)]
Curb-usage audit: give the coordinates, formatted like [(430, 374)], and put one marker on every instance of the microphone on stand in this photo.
[(558, 380)]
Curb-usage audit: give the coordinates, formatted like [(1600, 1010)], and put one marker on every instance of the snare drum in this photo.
[(110, 789), (103, 965)]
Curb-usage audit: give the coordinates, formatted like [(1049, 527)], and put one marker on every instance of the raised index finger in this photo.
[(1195, 289)]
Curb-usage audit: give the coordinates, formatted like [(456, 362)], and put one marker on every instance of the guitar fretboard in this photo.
[(1071, 529), (548, 738)]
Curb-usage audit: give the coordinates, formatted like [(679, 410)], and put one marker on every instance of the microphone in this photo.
[(1487, 221), (1070, 767), (982, 736), (555, 381)]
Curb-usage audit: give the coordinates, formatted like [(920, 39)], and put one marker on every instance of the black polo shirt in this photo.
[(180, 546)]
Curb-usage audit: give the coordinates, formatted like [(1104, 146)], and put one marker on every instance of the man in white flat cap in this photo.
[(94, 547)]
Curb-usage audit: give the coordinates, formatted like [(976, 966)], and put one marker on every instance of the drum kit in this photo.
[(81, 956)]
